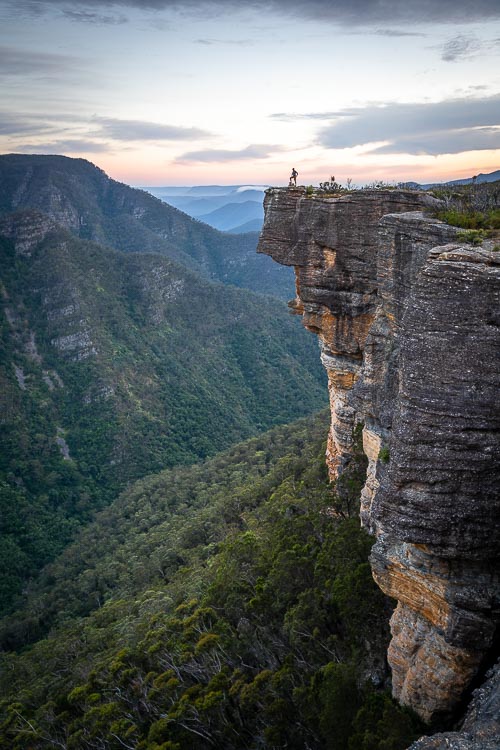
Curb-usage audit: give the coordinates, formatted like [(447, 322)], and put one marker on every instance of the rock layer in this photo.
[(481, 727), (409, 327)]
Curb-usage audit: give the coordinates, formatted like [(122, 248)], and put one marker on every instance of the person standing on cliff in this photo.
[(293, 178)]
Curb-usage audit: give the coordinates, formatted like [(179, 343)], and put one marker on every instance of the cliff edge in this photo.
[(408, 320)]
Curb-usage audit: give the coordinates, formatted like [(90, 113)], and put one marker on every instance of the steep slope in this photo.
[(408, 322), (227, 607), (80, 197), (115, 365)]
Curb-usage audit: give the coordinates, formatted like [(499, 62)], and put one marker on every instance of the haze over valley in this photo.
[(232, 208)]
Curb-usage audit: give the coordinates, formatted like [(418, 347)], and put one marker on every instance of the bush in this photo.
[(472, 236), (384, 454)]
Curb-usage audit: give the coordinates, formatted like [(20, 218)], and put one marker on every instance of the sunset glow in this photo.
[(160, 93)]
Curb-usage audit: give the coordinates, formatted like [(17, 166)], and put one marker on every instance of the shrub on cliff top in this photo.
[(472, 236), (468, 219)]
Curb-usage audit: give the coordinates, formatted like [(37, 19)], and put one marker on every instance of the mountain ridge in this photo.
[(479, 179), (81, 197), (233, 215)]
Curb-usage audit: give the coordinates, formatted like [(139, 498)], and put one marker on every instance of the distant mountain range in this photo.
[(489, 177), (233, 216), (218, 206)]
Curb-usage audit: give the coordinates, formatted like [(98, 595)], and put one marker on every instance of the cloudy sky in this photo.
[(164, 92)]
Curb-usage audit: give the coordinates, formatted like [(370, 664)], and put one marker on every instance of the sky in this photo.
[(162, 92)]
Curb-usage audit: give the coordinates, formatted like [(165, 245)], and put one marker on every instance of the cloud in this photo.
[(238, 42), (86, 16), (355, 13), (460, 47), (80, 131), (387, 32), (450, 142), (20, 125), (396, 33), (450, 126), (139, 130), (255, 151), (69, 146), (294, 116), (16, 62)]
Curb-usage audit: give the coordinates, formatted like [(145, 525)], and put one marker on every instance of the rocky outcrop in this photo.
[(26, 229), (409, 327), (481, 727)]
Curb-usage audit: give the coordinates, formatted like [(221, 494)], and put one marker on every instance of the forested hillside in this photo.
[(226, 605), (116, 365), (83, 199)]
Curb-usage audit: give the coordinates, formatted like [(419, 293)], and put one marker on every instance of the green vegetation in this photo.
[(478, 226), (141, 365), (473, 207), (475, 220), (81, 197), (384, 454), (227, 605), (470, 197), (472, 236), (332, 188), (382, 185)]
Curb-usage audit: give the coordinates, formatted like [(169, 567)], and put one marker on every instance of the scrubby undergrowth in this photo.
[(227, 605)]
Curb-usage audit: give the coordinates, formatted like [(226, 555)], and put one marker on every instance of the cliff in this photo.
[(408, 322), (480, 729)]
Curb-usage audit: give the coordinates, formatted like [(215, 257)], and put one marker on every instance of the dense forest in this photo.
[(114, 366), (227, 605), (119, 360)]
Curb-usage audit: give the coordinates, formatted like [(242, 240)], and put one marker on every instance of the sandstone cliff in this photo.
[(408, 321), (480, 729)]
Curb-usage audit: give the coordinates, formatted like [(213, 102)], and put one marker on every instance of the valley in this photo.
[(116, 364)]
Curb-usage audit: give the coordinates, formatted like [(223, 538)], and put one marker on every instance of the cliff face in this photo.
[(480, 729), (408, 322)]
